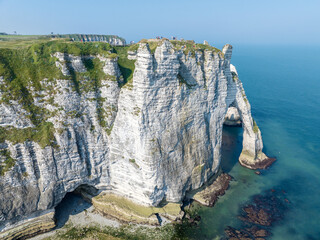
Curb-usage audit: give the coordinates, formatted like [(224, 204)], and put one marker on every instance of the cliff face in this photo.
[(153, 138), (111, 39)]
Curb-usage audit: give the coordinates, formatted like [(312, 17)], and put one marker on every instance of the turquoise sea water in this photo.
[(283, 87)]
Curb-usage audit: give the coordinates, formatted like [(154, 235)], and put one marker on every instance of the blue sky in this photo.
[(233, 21)]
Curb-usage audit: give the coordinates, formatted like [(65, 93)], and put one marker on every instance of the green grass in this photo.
[(109, 130), (26, 60), (25, 37), (78, 48), (20, 41), (200, 46), (153, 46), (126, 66), (25, 63), (187, 46), (57, 45), (26, 67), (133, 47), (125, 232), (133, 161), (8, 163), (255, 127), (22, 68), (18, 44), (192, 47), (43, 134)]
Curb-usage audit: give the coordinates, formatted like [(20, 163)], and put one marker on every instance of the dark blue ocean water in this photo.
[(283, 86)]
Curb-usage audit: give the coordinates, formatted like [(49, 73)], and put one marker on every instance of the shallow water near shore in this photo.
[(283, 87)]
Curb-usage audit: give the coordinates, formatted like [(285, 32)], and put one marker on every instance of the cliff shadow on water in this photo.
[(231, 147), (72, 204)]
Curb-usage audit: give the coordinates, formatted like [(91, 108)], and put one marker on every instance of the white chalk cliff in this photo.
[(163, 138)]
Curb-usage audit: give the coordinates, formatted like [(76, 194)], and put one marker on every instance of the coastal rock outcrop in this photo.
[(210, 194), (251, 156), (150, 138)]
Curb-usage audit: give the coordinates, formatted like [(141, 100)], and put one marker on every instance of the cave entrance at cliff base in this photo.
[(73, 204), (231, 147)]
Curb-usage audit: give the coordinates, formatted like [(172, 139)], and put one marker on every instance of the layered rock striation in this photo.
[(150, 137), (111, 39)]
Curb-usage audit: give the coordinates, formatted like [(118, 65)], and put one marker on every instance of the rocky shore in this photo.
[(210, 193), (263, 164)]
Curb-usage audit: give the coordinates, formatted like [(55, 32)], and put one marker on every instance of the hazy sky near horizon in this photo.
[(233, 21)]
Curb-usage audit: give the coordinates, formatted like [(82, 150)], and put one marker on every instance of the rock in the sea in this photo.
[(265, 209), (259, 215), (210, 194), (246, 233)]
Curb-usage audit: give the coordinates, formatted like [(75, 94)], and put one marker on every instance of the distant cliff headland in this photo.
[(111, 39)]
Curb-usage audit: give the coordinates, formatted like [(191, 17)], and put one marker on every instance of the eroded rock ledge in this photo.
[(30, 227), (148, 128), (210, 194)]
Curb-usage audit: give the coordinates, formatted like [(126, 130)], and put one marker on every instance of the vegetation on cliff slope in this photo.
[(191, 47), (42, 134), (126, 66), (26, 62), (7, 161), (125, 232), (24, 69), (255, 127)]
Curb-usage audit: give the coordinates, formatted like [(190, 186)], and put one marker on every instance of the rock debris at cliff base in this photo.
[(210, 194)]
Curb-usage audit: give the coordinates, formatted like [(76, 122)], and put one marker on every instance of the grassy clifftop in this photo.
[(187, 46), (19, 41)]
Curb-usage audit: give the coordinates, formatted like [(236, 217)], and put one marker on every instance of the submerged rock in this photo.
[(247, 233), (259, 216)]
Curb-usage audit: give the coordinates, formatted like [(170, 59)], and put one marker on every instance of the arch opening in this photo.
[(232, 137)]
